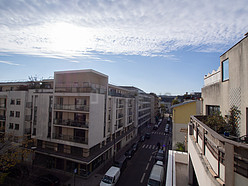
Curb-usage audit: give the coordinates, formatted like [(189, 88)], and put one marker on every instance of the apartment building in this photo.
[(143, 107), (228, 86), (181, 118), (155, 113), (214, 159), (78, 119)]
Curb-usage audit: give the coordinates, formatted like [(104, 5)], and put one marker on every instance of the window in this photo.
[(16, 126), (11, 113), (17, 114), (12, 101), (11, 125), (18, 102), (212, 109), (34, 131), (225, 70)]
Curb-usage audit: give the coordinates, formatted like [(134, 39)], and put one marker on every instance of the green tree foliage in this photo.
[(216, 122), (175, 101), (233, 121), (180, 147), (12, 153)]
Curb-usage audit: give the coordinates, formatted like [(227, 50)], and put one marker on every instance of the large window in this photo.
[(225, 70), (212, 109)]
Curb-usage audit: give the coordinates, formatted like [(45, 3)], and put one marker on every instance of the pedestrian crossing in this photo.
[(148, 146), (158, 133)]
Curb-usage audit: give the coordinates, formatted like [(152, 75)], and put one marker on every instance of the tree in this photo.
[(175, 101), (12, 153), (233, 121), (216, 122), (180, 147)]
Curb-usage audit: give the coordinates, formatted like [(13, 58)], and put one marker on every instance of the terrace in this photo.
[(225, 160)]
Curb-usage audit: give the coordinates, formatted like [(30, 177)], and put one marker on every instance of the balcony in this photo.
[(2, 106), (90, 88), (71, 138), (28, 118), (2, 117), (71, 107), (225, 160), (72, 123)]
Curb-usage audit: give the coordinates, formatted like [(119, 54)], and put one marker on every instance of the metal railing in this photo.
[(72, 107), (217, 145), (2, 117), (73, 123), (71, 138)]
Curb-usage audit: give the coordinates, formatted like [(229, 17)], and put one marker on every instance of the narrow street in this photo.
[(139, 167)]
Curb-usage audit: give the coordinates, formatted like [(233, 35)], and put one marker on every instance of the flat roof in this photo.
[(79, 71)]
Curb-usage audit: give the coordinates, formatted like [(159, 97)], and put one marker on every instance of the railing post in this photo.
[(203, 141), (229, 164)]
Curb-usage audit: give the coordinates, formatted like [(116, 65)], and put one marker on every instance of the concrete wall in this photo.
[(203, 176), (42, 103), (235, 90), (96, 121), (21, 95)]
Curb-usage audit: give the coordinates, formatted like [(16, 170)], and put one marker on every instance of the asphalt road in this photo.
[(139, 167)]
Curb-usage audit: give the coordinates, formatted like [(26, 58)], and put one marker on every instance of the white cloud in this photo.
[(67, 29), (9, 63)]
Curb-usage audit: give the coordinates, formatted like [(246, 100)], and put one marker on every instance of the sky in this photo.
[(160, 46)]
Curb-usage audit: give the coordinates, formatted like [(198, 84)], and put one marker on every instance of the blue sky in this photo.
[(160, 46)]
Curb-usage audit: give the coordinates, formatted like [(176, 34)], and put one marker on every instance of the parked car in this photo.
[(148, 135), (111, 177), (121, 163), (155, 127), (142, 138), (48, 180), (160, 155), (135, 146), (129, 153), (166, 130), (156, 176)]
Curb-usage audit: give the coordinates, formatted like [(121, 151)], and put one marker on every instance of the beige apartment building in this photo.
[(78, 119), (213, 158)]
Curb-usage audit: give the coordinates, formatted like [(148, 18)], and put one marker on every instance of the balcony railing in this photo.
[(28, 117), (2, 106), (2, 117), (221, 153), (71, 138), (80, 89), (73, 123), (72, 107)]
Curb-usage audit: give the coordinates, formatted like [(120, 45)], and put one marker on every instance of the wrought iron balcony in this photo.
[(72, 107), (71, 138), (73, 123)]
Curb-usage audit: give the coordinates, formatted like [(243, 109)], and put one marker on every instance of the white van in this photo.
[(111, 177), (156, 177)]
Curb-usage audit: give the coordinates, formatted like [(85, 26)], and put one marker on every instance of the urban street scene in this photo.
[(124, 93)]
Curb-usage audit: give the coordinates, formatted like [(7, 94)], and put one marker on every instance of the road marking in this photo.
[(142, 179), (143, 146), (150, 146), (147, 166), (150, 158), (153, 146)]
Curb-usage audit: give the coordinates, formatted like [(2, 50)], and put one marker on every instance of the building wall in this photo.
[(181, 114), (16, 95), (235, 90), (181, 118), (41, 102), (96, 122)]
